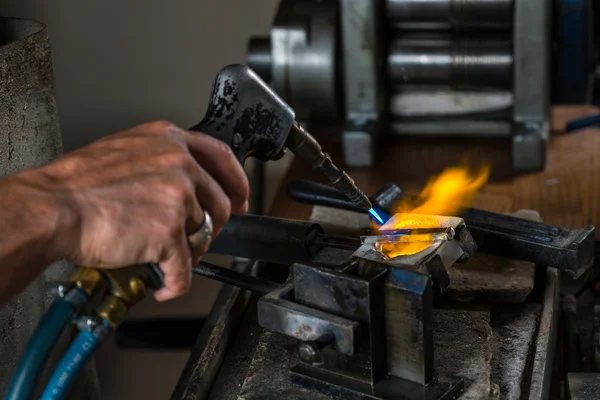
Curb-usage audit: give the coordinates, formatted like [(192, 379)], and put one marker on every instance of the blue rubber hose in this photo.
[(45, 336), (72, 362)]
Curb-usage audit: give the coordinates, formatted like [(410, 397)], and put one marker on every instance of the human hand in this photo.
[(133, 197)]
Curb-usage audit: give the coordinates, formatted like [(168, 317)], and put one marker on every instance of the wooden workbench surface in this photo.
[(566, 193)]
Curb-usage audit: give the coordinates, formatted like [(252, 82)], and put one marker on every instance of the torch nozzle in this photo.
[(380, 220), (305, 146)]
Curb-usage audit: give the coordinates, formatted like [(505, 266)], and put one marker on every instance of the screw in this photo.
[(87, 324), (310, 351), (60, 290)]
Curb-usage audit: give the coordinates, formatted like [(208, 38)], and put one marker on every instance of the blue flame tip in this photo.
[(376, 215)]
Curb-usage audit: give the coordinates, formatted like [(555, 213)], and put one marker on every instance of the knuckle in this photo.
[(222, 147), (174, 226), (185, 161), (163, 126), (179, 187)]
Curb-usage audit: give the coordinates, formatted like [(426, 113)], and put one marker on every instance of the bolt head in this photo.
[(309, 352)]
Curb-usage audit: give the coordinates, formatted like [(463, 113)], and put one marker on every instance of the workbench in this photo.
[(565, 194)]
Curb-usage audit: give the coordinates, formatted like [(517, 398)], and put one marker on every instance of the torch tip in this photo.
[(378, 218)]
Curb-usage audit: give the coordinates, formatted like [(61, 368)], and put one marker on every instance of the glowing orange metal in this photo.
[(446, 194)]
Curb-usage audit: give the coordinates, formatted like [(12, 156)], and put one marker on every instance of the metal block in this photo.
[(358, 149), (335, 292), (529, 146), (409, 336), (304, 49), (278, 313), (356, 294)]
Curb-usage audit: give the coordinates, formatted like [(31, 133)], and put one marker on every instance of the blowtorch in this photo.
[(254, 121), (247, 115)]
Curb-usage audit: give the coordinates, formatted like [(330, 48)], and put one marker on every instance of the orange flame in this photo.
[(447, 194)]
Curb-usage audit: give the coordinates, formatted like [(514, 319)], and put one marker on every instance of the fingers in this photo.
[(210, 196), (177, 270), (219, 161)]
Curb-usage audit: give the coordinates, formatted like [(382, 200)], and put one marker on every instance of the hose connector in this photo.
[(112, 310), (87, 279)]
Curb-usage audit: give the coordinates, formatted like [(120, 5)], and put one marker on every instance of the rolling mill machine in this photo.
[(463, 68)]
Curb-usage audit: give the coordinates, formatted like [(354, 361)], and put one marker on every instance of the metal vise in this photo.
[(365, 325)]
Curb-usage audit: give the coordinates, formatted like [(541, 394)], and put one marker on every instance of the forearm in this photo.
[(31, 218)]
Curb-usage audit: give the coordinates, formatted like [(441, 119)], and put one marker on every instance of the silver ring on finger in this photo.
[(203, 234)]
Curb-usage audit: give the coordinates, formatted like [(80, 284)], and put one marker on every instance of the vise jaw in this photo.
[(364, 330)]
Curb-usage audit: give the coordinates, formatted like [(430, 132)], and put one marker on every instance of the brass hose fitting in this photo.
[(87, 279), (112, 310)]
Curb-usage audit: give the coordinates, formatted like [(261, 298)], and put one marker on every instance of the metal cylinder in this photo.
[(267, 239), (304, 49), (30, 137), (445, 62), (259, 57), (479, 14)]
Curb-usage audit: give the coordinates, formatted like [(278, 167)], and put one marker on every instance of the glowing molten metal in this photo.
[(447, 194)]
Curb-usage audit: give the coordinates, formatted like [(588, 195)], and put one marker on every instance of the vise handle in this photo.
[(570, 250)]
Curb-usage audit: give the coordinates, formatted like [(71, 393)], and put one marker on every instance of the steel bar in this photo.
[(238, 279)]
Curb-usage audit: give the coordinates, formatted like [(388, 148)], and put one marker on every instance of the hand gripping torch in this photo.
[(255, 122), (247, 115)]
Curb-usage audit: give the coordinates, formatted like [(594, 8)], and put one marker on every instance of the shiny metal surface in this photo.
[(259, 57), (304, 45), (364, 88), (531, 111), (453, 62), (408, 297), (480, 14), (279, 313), (475, 129), (447, 103)]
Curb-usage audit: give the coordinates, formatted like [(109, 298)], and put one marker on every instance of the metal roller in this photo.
[(259, 57), (446, 62), (480, 14), (300, 57)]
